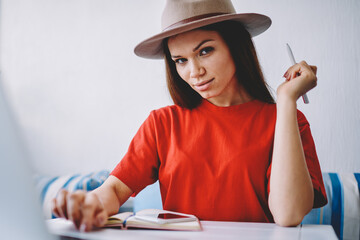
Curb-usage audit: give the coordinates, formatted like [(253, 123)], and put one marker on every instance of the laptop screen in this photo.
[(20, 212)]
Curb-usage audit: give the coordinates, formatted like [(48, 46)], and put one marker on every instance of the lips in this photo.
[(204, 85)]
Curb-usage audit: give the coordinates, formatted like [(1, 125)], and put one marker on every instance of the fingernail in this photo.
[(83, 227)]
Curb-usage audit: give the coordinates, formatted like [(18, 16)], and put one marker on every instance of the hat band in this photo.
[(188, 20)]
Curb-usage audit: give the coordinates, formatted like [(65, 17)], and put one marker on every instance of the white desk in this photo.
[(211, 230)]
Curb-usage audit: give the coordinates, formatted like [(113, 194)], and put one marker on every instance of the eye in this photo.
[(180, 60), (206, 51)]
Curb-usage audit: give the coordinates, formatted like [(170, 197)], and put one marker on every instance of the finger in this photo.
[(289, 74), (89, 207), (75, 202), (309, 71), (306, 66), (54, 208), (297, 69), (101, 218), (61, 203), (293, 72), (314, 69), (286, 75)]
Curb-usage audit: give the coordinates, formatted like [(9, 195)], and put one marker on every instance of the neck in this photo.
[(239, 96)]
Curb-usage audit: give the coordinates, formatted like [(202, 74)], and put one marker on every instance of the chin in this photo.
[(208, 96)]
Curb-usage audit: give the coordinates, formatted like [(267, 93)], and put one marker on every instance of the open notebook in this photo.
[(129, 220)]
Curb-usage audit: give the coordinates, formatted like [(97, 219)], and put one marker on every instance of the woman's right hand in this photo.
[(84, 209), (92, 209)]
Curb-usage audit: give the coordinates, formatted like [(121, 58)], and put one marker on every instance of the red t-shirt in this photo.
[(213, 162)]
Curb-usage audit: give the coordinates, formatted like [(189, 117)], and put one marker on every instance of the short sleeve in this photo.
[(312, 162), (139, 166)]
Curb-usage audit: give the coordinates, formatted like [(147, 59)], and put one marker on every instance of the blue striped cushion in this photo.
[(343, 208), (48, 187)]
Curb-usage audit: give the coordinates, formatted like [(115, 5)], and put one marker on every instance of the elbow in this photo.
[(289, 216), (288, 220), (290, 213)]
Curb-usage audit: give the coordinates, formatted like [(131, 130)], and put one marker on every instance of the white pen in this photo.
[(293, 62)]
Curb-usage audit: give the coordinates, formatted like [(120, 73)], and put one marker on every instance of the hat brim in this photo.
[(152, 47)]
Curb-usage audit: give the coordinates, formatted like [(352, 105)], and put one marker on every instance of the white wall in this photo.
[(80, 93)]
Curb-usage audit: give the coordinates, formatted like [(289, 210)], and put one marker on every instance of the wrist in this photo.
[(285, 106), (286, 94), (285, 99)]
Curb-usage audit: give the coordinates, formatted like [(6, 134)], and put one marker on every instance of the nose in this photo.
[(196, 69)]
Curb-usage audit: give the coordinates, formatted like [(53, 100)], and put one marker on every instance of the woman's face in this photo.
[(204, 61)]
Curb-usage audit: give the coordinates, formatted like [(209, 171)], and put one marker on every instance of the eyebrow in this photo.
[(197, 47)]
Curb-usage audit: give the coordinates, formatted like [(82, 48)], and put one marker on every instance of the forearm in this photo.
[(291, 191), (112, 194)]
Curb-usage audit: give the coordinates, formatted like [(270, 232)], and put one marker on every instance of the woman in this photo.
[(224, 151)]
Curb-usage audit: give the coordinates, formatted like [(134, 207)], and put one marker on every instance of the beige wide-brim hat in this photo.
[(184, 15)]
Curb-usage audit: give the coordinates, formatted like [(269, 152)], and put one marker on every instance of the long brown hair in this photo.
[(248, 71)]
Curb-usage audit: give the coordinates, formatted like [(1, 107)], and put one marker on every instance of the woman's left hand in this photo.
[(300, 78)]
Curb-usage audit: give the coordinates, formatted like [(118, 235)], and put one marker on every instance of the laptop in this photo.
[(20, 212)]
